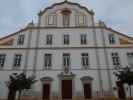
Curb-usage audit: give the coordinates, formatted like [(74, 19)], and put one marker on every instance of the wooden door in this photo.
[(87, 91), (66, 89), (46, 91), (120, 90)]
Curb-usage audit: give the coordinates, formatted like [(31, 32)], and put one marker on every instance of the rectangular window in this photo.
[(49, 39), (130, 59), (17, 60), (48, 61), (52, 20), (83, 39), (21, 39), (85, 60), (66, 59), (2, 60), (111, 38), (115, 59), (66, 39), (81, 19), (66, 20)]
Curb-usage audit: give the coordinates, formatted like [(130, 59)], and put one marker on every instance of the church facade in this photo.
[(70, 55)]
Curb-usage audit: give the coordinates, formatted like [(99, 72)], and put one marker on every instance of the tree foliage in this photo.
[(125, 75), (19, 82)]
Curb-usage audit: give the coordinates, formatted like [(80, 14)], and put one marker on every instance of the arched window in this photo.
[(66, 17)]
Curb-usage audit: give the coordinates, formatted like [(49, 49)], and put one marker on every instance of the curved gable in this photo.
[(53, 17), (66, 2)]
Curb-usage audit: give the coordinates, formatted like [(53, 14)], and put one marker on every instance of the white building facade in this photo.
[(70, 55)]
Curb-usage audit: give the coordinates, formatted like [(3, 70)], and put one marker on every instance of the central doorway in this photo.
[(66, 89), (46, 91)]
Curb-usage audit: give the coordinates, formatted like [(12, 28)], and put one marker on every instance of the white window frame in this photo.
[(83, 39), (52, 19), (49, 39), (66, 39), (130, 59), (112, 39), (81, 20), (66, 59), (115, 59), (66, 20), (17, 60), (21, 39), (85, 60), (2, 60), (47, 61)]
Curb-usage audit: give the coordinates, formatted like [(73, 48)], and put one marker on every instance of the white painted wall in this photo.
[(57, 49)]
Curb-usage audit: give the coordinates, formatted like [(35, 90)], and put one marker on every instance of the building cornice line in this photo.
[(78, 69), (54, 48), (42, 27), (87, 27)]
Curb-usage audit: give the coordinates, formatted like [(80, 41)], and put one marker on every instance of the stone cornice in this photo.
[(60, 48), (85, 27)]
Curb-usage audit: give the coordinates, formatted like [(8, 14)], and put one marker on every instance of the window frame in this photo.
[(66, 60), (21, 39), (129, 56), (78, 22), (85, 60), (115, 59), (66, 20), (49, 39), (17, 60), (111, 38), (66, 39), (2, 60), (54, 19), (83, 20), (47, 61), (83, 39)]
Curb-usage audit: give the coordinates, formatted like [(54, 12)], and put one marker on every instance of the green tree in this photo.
[(125, 75), (11, 84), (19, 82)]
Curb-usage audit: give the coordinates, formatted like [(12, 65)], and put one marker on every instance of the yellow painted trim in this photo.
[(124, 41), (7, 42)]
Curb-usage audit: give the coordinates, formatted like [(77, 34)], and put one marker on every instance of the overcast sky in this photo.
[(15, 14)]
